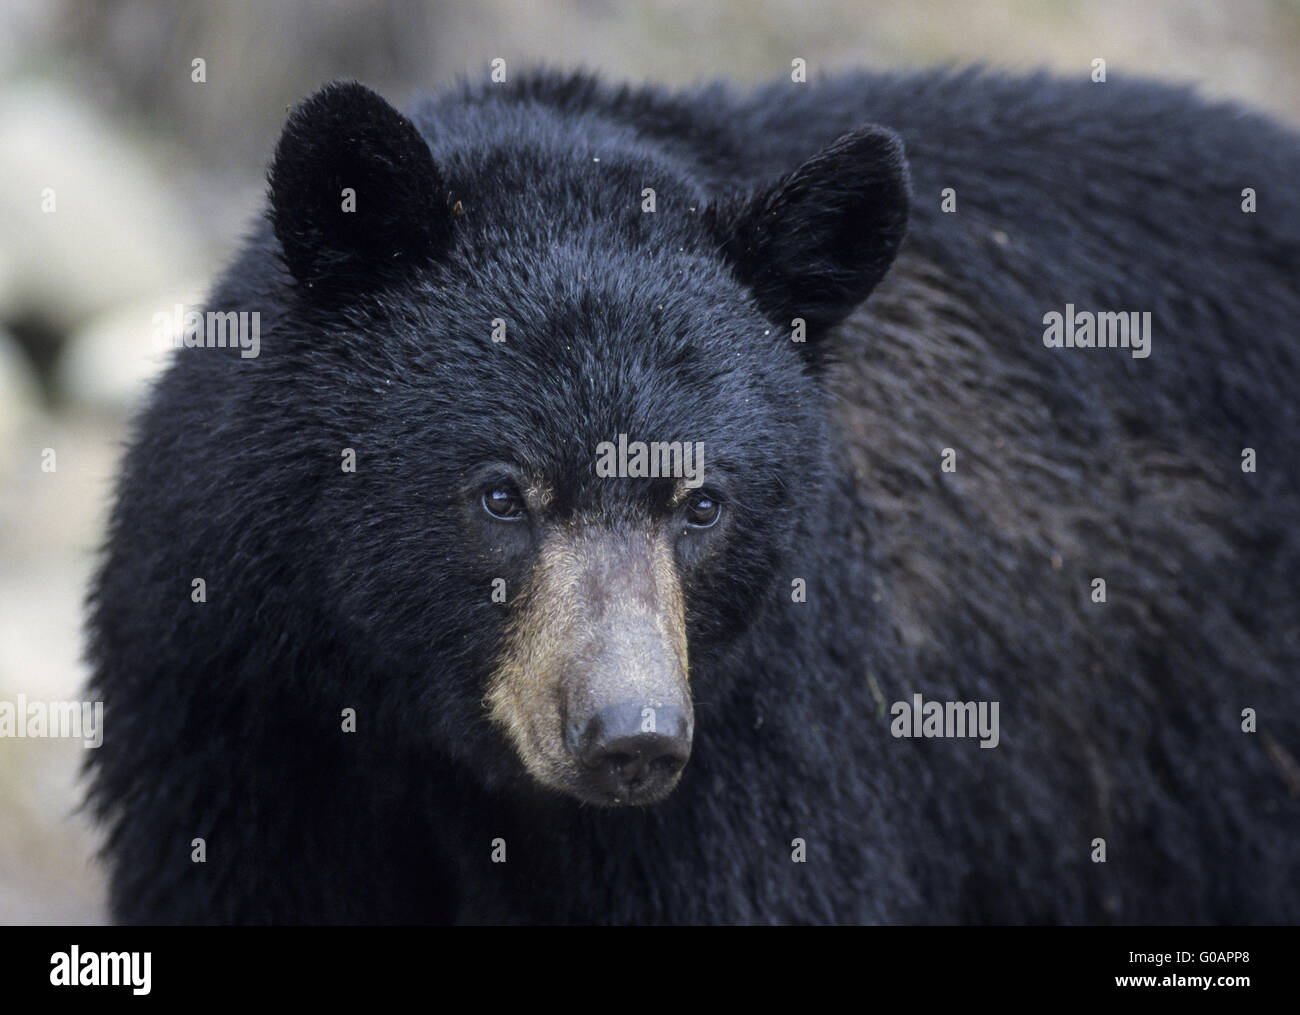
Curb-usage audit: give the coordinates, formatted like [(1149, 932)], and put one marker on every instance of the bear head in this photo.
[(586, 442)]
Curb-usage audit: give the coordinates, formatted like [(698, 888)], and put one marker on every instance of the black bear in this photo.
[(575, 544)]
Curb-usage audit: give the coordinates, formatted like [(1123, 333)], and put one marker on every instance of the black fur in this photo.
[(370, 590)]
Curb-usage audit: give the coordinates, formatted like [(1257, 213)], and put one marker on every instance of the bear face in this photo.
[(488, 321)]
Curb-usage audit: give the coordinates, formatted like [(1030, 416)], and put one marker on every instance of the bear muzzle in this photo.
[(592, 687)]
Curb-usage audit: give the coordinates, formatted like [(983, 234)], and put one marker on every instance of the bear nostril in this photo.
[(618, 762), (666, 765), (638, 762)]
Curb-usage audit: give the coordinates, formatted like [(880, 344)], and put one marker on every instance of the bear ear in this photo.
[(816, 243), (355, 194)]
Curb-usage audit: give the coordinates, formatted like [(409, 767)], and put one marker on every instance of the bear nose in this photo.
[(634, 752)]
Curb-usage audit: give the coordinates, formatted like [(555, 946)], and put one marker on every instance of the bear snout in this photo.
[(593, 687)]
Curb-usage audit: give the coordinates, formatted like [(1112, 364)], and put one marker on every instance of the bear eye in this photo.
[(703, 510), (504, 503)]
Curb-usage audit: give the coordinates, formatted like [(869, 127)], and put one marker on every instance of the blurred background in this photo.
[(156, 176)]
